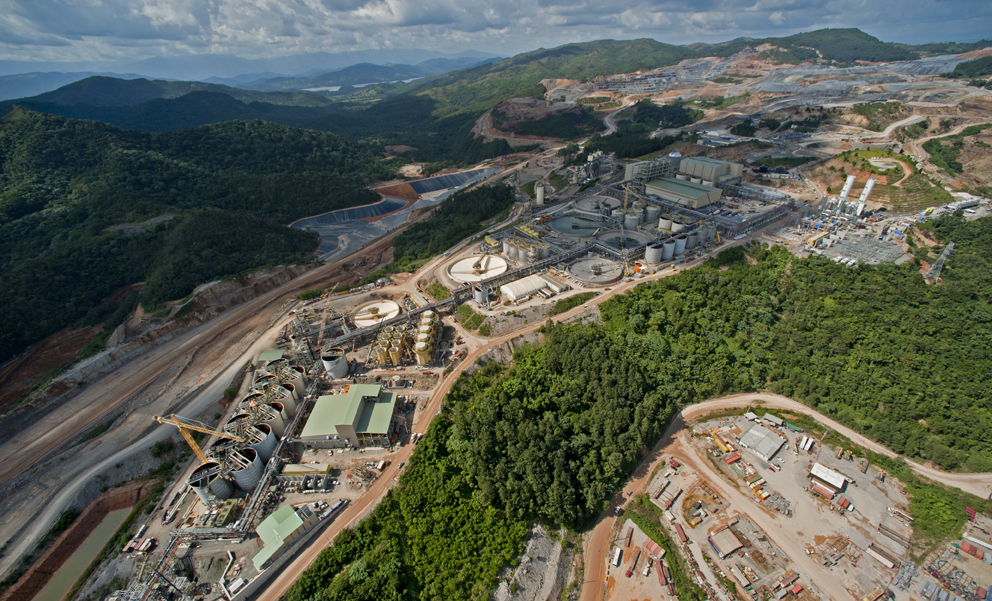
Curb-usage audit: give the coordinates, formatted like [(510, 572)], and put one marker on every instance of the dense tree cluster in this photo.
[(74, 197)]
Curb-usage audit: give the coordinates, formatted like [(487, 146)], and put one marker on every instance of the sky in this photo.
[(114, 30)]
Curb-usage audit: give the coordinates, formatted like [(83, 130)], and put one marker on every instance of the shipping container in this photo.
[(682, 537), (616, 557)]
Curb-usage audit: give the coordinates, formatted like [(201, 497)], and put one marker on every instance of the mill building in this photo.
[(361, 417)]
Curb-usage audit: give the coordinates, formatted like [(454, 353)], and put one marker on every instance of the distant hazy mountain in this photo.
[(23, 85), (366, 73), (206, 66)]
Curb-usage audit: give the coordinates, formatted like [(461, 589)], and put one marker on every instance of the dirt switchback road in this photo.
[(597, 544)]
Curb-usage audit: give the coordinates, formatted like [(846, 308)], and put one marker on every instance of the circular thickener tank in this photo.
[(631, 221), (376, 312), (576, 225), (247, 468), (597, 204), (267, 445), (596, 270), (652, 254), (652, 213), (665, 223), (693, 240), (476, 268), (677, 226), (394, 355), (680, 245), (335, 361), (630, 239), (667, 250)]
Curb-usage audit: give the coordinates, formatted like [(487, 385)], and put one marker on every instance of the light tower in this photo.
[(933, 274)]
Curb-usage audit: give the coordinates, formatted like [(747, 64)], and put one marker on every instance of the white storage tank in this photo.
[(479, 295), (336, 363), (667, 250), (246, 468), (677, 226), (710, 231), (653, 253), (631, 220), (545, 251), (653, 212), (665, 223), (693, 240), (680, 245)]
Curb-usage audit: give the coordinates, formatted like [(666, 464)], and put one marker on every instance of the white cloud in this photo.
[(132, 29)]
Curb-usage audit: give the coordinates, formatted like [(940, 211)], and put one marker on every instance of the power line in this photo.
[(933, 274)]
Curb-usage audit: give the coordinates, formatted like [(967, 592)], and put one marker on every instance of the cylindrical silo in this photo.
[(545, 251), (680, 245), (246, 468), (677, 226), (429, 314), (507, 246), (696, 180), (665, 223), (335, 362), (710, 231), (667, 250), (631, 220), (389, 329), (479, 295), (425, 339), (652, 254), (539, 190), (382, 355), (682, 176), (652, 213), (423, 352), (425, 331), (524, 258), (267, 445), (281, 410), (394, 355), (270, 416), (693, 240), (206, 480)]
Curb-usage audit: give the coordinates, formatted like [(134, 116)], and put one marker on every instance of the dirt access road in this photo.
[(597, 544)]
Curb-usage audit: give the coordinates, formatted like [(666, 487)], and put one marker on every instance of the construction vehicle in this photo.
[(850, 455), (185, 425), (840, 452)]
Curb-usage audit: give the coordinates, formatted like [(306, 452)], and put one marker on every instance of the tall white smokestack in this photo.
[(843, 194), (864, 196)]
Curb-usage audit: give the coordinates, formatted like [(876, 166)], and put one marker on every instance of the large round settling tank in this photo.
[(596, 270), (576, 225), (477, 268), (597, 204), (630, 239), (373, 313)]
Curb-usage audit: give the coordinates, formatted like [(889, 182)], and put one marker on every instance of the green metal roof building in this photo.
[(362, 417), (683, 192), (280, 529)]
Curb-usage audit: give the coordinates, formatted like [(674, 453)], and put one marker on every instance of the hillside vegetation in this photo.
[(552, 437), (223, 192)]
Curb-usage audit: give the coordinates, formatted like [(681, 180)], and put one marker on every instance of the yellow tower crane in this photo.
[(185, 425)]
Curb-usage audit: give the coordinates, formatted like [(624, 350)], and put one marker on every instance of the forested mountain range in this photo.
[(230, 189)]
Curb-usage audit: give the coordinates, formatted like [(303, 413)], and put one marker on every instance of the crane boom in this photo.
[(185, 425)]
